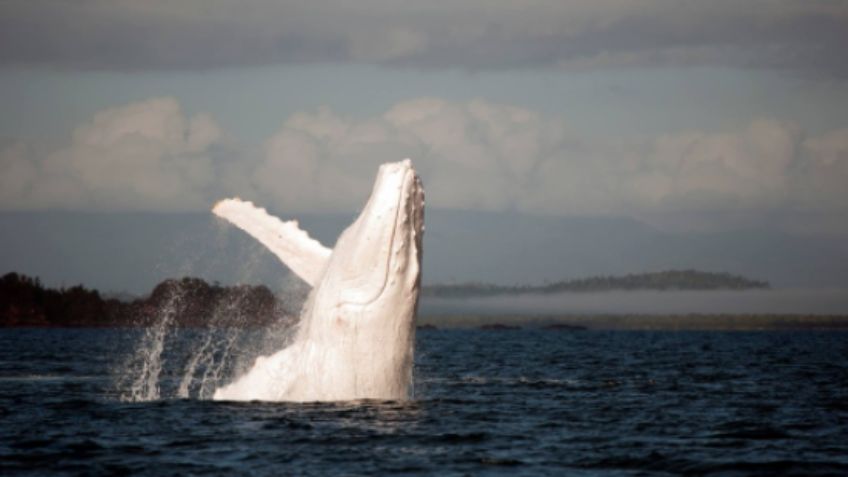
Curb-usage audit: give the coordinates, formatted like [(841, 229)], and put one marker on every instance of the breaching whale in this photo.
[(355, 338)]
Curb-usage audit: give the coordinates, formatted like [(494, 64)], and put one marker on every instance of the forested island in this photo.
[(192, 302), (665, 280), (25, 301)]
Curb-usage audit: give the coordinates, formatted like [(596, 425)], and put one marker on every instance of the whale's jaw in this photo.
[(356, 335), (377, 254)]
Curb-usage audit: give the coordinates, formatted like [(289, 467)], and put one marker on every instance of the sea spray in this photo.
[(200, 358), (147, 359), (203, 350), (207, 361), (202, 355)]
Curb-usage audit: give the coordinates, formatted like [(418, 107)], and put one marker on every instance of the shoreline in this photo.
[(646, 322), (563, 323)]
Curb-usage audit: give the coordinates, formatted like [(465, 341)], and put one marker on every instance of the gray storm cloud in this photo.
[(151, 155), (803, 35)]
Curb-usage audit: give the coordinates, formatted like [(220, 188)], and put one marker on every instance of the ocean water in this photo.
[(528, 402)]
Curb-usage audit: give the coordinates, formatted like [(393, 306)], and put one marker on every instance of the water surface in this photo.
[(494, 402)]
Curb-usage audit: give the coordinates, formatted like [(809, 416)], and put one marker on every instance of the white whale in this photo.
[(356, 335)]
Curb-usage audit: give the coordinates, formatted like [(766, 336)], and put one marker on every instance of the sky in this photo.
[(687, 115)]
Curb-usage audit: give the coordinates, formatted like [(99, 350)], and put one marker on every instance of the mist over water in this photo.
[(774, 301)]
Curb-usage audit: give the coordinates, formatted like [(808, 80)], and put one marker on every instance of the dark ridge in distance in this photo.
[(186, 302), (192, 302), (664, 280), (499, 327)]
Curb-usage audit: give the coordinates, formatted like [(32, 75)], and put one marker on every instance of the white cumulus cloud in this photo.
[(478, 155), (481, 155), (142, 156)]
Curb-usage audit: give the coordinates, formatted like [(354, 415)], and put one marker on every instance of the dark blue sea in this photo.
[(528, 402)]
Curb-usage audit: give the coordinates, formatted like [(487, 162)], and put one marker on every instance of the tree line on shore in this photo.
[(25, 301), (665, 280)]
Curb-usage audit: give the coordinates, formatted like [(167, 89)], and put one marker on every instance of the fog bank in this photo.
[(778, 301)]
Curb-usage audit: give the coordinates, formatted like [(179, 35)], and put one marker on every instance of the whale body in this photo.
[(355, 338)]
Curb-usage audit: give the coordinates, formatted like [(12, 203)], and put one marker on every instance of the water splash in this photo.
[(148, 356), (192, 363)]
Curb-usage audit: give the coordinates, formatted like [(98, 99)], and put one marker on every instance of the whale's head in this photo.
[(376, 262), (366, 300)]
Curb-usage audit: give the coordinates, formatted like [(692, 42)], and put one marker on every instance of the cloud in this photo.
[(821, 177), (807, 36), (472, 155), (480, 155), (143, 156)]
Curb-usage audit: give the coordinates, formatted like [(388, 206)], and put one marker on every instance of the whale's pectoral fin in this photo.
[(304, 255)]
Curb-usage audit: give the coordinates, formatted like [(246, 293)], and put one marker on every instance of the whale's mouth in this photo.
[(378, 240)]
